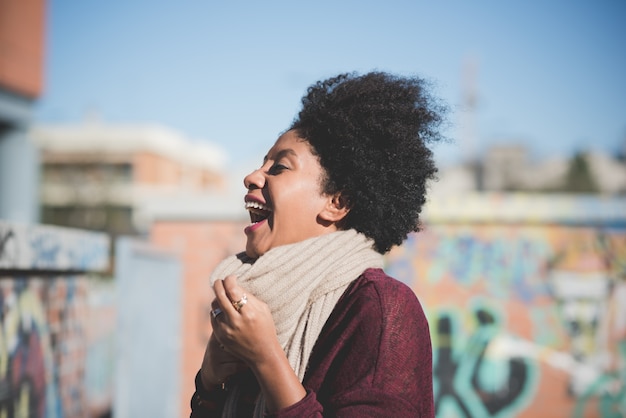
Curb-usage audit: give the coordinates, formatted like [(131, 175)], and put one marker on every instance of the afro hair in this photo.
[(370, 133)]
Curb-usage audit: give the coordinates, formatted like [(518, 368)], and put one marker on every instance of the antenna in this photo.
[(469, 100)]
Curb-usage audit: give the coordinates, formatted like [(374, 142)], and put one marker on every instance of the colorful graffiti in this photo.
[(526, 320), (23, 348), (470, 383), (56, 348), (34, 247), (43, 347), (47, 328)]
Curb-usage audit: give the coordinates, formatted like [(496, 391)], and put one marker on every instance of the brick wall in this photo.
[(201, 245), (22, 25)]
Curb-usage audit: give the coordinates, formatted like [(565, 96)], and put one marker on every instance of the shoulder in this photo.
[(385, 284), (374, 350), (375, 290), (388, 318), (376, 304)]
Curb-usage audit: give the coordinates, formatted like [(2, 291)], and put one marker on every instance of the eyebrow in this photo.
[(281, 153)]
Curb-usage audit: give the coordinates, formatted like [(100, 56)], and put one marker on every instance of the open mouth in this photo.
[(258, 212)]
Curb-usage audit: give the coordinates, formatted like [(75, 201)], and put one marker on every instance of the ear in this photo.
[(336, 208)]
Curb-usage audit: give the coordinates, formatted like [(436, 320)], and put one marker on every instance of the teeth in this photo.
[(256, 205)]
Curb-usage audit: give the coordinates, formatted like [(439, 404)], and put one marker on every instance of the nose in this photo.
[(254, 180)]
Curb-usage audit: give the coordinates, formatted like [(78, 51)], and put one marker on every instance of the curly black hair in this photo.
[(370, 133)]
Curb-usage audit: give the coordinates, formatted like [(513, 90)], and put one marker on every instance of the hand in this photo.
[(248, 333), (218, 364)]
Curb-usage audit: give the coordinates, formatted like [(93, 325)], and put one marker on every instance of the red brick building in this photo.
[(22, 43)]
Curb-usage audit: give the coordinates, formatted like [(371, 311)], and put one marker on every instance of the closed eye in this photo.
[(277, 169)]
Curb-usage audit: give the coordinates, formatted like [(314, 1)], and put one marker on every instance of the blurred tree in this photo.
[(579, 177)]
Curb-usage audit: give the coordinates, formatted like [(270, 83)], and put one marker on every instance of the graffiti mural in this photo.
[(24, 351), (44, 347), (34, 247), (46, 321), (470, 383), (526, 321)]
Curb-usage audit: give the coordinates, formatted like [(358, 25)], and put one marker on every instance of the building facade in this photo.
[(509, 168), (105, 177)]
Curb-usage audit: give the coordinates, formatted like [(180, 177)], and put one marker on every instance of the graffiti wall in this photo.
[(526, 321), (56, 325)]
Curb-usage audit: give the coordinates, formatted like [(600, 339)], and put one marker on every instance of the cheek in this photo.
[(300, 206), (300, 193)]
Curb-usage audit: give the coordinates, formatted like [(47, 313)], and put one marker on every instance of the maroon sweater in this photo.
[(373, 358)]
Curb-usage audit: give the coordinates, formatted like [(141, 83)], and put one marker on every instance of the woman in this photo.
[(305, 321)]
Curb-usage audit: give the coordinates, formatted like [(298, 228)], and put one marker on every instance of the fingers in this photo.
[(230, 297), (233, 290), (221, 302), (216, 310), (218, 364)]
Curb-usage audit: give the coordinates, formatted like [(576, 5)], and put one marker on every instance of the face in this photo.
[(284, 199)]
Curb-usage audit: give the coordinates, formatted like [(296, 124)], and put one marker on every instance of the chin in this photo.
[(253, 252)]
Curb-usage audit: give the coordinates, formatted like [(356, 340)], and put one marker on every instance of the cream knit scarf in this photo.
[(301, 283)]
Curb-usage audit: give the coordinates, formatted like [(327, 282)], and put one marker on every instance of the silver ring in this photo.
[(216, 312), (239, 304)]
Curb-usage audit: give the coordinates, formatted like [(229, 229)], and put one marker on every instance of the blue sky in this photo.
[(551, 74)]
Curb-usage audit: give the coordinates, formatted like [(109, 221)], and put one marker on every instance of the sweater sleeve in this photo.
[(206, 404), (374, 359)]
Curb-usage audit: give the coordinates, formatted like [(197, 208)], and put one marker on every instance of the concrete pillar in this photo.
[(19, 161)]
